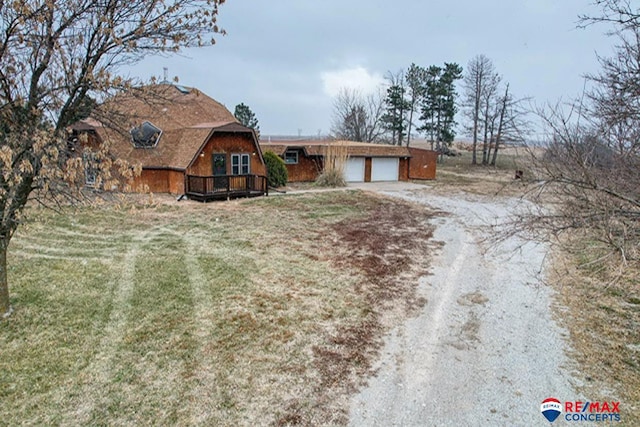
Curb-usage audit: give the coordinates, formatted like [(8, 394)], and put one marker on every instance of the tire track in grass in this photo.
[(58, 243), (97, 375), (203, 394), (136, 374)]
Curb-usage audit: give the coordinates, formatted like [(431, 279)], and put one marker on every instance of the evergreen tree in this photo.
[(396, 110), (416, 79), (452, 73), (439, 104), (245, 116), (430, 102)]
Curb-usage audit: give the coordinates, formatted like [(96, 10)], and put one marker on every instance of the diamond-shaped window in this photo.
[(146, 135)]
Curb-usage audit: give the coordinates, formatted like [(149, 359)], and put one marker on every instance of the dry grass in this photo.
[(601, 311), (457, 174), (259, 312), (335, 162)]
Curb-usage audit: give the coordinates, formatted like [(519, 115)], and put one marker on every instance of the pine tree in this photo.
[(246, 117), (439, 104), (416, 80), (452, 73), (396, 110), (430, 102)]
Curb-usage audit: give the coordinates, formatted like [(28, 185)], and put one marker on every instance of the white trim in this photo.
[(291, 152), (240, 165)]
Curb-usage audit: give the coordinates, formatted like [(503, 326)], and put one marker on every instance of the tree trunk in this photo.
[(491, 140), (5, 306), (400, 114), (495, 152), (485, 140), (409, 126), (500, 125), (476, 118)]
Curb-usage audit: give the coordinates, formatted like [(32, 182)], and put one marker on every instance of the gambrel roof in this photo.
[(186, 117)]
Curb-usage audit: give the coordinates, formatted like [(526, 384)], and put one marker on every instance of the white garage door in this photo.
[(354, 172), (384, 168)]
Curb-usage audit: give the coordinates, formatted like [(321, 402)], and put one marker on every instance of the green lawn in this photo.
[(191, 314)]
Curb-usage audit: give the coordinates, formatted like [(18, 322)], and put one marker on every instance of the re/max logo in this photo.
[(592, 407), (592, 411)]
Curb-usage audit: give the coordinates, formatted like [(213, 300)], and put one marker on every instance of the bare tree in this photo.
[(489, 113), (621, 13), (503, 105), (357, 117), (480, 85), (615, 99), (53, 55), (589, 175), (512, 126), (585, 185)]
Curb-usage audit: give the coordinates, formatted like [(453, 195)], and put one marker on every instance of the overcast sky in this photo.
[(287, 58)]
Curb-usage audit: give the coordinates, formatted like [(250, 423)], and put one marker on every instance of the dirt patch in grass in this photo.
[(389, 247), (601, 311), (385, 246)]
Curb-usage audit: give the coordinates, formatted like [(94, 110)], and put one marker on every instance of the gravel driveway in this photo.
[(485, 349)]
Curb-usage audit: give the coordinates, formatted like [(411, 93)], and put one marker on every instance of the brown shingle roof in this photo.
[(166, 107), (356, 149), (186, 119)]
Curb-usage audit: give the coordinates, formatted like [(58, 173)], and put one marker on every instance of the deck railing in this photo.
[(225, 186)]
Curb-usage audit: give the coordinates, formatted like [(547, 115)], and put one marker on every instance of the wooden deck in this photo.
[(224, 187)]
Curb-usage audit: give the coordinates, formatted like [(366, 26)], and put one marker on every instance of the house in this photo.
[(184, 141), (366, 162)]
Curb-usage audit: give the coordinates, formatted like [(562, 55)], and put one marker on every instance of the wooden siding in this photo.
[(158, 181), (367, 169), (403, 169), (152, 180), (307, 168), (422, 164), (227, 143), (176, 182)]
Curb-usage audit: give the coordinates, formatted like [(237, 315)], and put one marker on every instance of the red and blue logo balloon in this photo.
[(551, 408)]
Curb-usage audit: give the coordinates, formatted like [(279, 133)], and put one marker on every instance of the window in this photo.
[(146, 135), (90, 168), (291, 157), (240, 164)]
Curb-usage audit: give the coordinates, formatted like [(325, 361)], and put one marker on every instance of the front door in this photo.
[(220, 180), (219, 164)]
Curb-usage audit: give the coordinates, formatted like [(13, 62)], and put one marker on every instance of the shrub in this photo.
[(331, 178), (335, 160), (277, 175)]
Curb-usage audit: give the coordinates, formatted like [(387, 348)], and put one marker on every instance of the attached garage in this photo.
[(384, 168), (366, 162), (354, 170)]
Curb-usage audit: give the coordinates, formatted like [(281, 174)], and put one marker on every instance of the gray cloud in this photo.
[(275, 52)]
